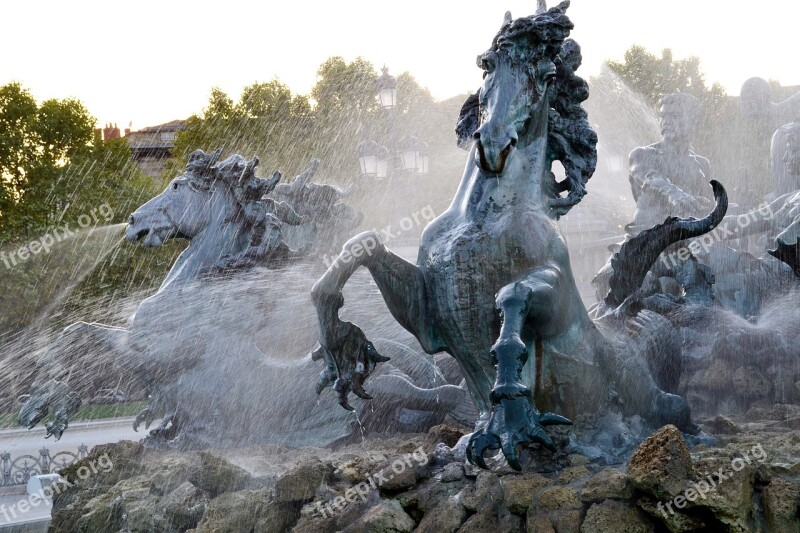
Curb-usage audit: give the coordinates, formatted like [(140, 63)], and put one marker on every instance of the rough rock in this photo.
[(675, 520), (445, 434), (247, 510), (386, 517), (571, 473), (722, 425), (750, 382), (568, 522), (447, 518), (717, 377), (302, 482), (428, 496), (452, 472), (661, 465), (731, 500), (184, 506), (559, 498), (609, 483), (217, 475), (539, 523), (164, 480), (520, 489), (488, 520), (397, 476), (782, 506), (612, 515), (487, 492)]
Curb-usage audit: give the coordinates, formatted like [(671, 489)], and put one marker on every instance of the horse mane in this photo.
[(259, 215), (571, 139), (236, 173)]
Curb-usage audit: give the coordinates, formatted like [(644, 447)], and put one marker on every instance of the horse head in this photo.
[(531, 97), (181, 210), (514, 100)]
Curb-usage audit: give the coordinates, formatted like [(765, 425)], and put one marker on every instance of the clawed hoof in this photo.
[(480, 442), (358, 386), (513, 423), (55, 429)]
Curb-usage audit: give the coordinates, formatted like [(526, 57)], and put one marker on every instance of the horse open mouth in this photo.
[(149, 237), (139, 235)]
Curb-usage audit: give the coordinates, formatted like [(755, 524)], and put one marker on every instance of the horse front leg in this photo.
[(531, 310), (349, 356), (51, 390)]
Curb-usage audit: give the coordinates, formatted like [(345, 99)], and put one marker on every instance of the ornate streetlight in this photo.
[(373, 159), (411, 154), (387, 89), (414, 154)]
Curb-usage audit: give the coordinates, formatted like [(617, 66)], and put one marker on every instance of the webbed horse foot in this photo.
[(69, 405), (146, 415), (348, 355), (356, 358), (53, 394), (514, 420), (168, 428)]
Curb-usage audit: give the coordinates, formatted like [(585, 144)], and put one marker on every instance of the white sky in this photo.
[(152, 61)]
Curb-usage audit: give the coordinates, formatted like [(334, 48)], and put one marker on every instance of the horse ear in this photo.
[(507, 18)]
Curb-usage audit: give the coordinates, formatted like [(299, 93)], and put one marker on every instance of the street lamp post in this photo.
[(410, 154)]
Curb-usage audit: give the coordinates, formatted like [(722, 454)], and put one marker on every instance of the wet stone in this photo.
[(661, 465)]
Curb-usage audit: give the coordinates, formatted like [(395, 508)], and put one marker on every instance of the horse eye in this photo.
[(174, 186)]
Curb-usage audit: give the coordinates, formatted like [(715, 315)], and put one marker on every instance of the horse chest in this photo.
[(464, 270)]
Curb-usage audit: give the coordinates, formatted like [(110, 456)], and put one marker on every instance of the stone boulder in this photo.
[(661, 465)]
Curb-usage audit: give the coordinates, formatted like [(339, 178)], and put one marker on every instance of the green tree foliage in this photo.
[(36, 144), (267, 120), (50, 170), (286, 130), (653, 77), (53, 175)]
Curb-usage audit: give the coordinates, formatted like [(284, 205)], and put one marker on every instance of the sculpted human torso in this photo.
[(668, 178)]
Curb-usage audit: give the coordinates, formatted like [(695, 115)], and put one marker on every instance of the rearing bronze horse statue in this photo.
[(493, 283)]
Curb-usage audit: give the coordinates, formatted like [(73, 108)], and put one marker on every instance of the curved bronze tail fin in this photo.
[(632, 262), (788, 253)]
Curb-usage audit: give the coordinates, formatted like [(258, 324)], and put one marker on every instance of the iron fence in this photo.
[(20, 470)]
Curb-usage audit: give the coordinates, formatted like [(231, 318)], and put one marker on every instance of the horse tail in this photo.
[(635, 258)]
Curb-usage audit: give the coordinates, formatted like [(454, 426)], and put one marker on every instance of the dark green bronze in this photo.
[(492, 283)]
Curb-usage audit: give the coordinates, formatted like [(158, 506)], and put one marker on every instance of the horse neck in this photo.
[(222, 235), (522, 183)]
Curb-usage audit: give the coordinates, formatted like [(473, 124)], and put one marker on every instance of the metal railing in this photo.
[(20, 470)]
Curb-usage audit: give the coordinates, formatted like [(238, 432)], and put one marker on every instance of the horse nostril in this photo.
[(130, 220), (513, 142), (476, 135)]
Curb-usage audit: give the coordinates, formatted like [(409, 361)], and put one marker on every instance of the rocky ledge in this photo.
[(748, 480)]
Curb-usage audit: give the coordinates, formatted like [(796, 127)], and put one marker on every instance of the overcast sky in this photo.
[(149, 61)]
